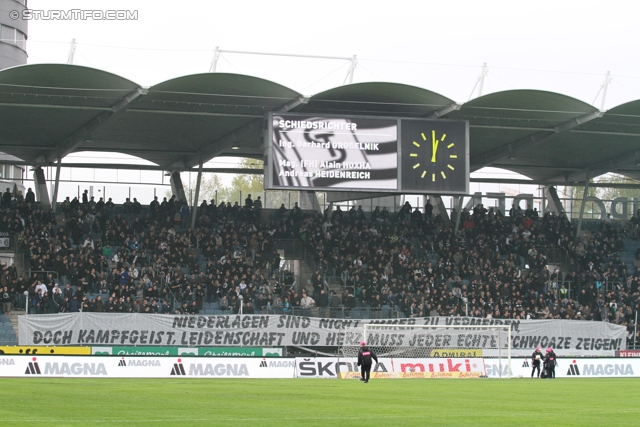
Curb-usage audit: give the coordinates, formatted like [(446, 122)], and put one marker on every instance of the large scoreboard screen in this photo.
[(334, 153), (356, 153)]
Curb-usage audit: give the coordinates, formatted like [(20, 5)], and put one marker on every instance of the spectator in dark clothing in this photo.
[(30, 197)]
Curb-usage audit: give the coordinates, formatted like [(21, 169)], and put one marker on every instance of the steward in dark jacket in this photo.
[(365, 356), (536, 359), (550, 363)]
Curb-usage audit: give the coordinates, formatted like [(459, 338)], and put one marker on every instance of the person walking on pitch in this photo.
[(365, 355), (536, 359)]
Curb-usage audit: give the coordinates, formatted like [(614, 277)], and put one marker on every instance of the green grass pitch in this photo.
[(319, 402)]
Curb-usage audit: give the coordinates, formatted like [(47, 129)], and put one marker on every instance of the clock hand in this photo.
[(434, 146)]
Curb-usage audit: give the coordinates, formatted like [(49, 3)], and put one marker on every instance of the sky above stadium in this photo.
[(562, 46)]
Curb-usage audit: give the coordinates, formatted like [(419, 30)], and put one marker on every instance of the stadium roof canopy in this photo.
[(48, 111)]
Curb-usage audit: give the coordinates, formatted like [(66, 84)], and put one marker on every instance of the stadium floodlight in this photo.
[(436, 341)]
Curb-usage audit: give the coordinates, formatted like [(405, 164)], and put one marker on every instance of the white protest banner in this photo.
[(567, 337)]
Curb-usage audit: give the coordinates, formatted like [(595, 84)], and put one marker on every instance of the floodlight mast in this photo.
[(603, 90), (605, 84), (72, 52), (352, 70), (214, 62), (348, 80), (482, 76), (480, 82)]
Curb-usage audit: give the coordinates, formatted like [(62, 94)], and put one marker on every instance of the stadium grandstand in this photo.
[(300, 216), (389, 261)]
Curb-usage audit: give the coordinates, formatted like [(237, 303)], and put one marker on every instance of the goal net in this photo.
[(436, 341)]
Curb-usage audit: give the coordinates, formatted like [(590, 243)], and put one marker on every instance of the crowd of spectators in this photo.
[(138, 259), (135, 258)]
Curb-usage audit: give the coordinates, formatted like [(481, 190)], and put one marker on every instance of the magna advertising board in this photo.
[(144, 367), (568, 367), (358, 153)]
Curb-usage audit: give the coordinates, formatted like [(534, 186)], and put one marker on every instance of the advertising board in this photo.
[(569, 367), (188, 351), (333, 367), (144, 367)]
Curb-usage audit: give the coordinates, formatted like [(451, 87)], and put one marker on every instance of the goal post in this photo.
[(393, 341)]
